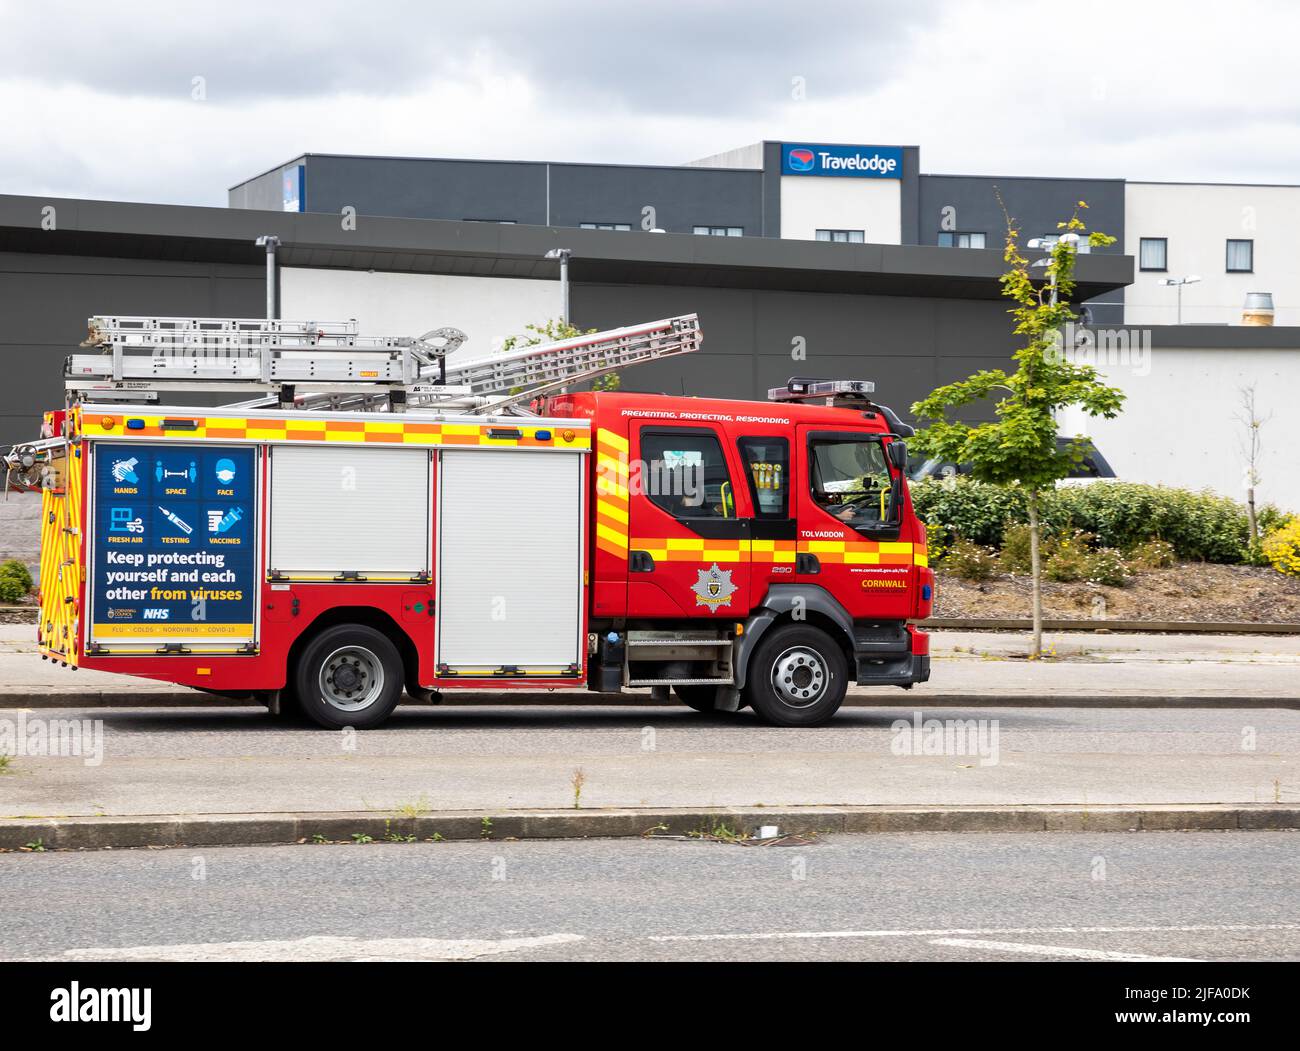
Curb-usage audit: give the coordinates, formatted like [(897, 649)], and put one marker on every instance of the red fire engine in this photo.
[(377, 518)]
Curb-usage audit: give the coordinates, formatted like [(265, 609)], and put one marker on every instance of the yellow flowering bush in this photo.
[(1282, 548)]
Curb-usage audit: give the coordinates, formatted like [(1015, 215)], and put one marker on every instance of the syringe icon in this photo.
[(176, 520)]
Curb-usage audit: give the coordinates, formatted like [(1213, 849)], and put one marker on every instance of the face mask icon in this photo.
[(225, 471)]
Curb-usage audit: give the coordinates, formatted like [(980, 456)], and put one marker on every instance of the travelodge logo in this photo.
[(801, 159), (862, 162)]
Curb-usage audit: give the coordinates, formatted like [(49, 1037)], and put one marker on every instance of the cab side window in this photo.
[(685, 473), (767, 463), (851, 480)]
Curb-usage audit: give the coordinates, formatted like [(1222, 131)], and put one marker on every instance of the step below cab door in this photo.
[(851, 536), (689, 534)]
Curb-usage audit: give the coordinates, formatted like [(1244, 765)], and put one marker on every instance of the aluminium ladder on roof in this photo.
[(326, 366)]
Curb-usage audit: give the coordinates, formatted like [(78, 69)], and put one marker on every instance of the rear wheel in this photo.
[(797, 677), (349, 675)]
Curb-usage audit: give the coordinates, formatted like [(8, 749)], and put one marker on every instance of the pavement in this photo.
[(1130, 725), (1068, 896)]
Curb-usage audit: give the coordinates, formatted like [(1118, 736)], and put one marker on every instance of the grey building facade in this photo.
[(746, 192), (906, 316)]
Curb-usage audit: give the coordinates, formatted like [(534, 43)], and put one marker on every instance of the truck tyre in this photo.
[(349, 675), (797, 677), (700, 698)]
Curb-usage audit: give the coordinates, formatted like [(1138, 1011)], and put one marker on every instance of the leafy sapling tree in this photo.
[(552, 331), (1252, 451), (1019, 448)]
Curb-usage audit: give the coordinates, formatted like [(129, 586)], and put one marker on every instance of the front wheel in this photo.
[(797, 677), (349, 675)]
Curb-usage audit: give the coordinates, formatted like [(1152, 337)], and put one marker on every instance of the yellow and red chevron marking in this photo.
[(60, 569), (692, 549), (775, 551), (832, 552), (865, 552), (389, 430), (611, 493)]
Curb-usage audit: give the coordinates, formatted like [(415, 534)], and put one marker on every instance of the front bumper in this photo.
[(890, 654)]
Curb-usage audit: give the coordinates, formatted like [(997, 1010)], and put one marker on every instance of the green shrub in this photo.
[(1198, 526), (970, 561), (11, 589), (1153, 554), (1015, 548), (1071, 557), (1108, 566), (1068, 558), (17, 571), (958, 507)]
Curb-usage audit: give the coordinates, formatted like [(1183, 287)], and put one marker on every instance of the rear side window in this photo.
[(684, 473), (767, 464)]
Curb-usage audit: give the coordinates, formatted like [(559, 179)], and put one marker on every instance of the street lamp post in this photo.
[(1048, 243), (562, 254), (270, 242), (1178, 283)]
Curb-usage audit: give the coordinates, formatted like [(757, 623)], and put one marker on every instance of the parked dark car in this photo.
[(1090, 469)]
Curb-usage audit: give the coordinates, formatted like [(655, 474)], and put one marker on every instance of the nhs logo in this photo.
[(861, 162), (157, 614)]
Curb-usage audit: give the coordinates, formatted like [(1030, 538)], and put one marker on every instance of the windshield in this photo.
[(851, 480)]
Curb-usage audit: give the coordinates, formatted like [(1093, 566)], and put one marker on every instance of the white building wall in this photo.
[(1179, 425), (810, 203), (487, 309), (741, 157), (1198, 219)]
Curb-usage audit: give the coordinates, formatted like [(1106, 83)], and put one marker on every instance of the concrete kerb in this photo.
[(99, 833)]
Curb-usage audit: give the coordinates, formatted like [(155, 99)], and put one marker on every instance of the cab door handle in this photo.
[(640, 562), (807, 562)]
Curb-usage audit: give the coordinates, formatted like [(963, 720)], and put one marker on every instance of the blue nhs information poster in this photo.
[(174, 536)]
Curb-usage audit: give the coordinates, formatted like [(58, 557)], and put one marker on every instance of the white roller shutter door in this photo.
[(349, 509), (509, 559)]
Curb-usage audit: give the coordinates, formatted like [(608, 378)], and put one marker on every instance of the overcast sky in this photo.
[(175, 102)]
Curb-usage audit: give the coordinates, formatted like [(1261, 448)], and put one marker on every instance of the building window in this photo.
[(1153, 253), (605, 226), (1241, 257), (853, 237), (719, 231), (961, 240)]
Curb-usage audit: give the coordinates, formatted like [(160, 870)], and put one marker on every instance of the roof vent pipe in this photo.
[(1258, 309)]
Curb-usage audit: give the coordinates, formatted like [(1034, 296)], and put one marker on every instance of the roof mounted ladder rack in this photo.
[(329, 366)]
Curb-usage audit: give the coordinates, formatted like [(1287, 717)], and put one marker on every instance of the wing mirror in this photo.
[(898, 454)]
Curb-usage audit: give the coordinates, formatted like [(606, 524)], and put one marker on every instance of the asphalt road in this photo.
[(1204, 896)]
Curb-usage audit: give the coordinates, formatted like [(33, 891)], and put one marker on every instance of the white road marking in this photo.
[(958, 931), (1063, 951), (326, 947)]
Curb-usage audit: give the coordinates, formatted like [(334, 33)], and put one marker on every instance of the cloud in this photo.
[(668, 55), (99, 100)]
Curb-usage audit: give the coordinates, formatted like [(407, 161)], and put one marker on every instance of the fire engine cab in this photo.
[(377, 519)]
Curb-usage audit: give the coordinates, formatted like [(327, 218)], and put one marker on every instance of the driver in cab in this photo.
[(855, 497)]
